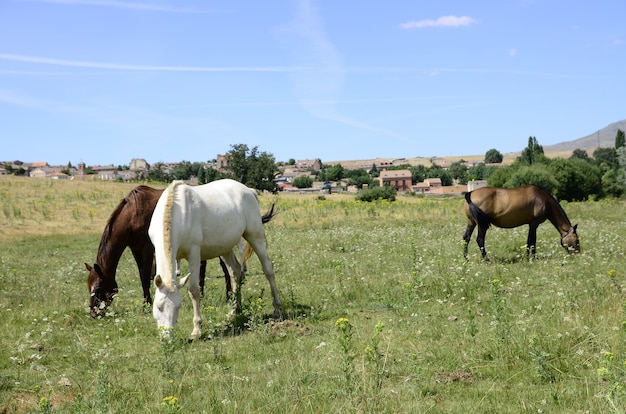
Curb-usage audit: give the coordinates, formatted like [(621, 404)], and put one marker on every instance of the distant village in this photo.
[(138, 168)]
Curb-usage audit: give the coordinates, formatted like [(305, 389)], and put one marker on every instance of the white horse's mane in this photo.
[(167, 231)]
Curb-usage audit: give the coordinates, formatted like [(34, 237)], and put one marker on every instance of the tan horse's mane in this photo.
[(167, 231)]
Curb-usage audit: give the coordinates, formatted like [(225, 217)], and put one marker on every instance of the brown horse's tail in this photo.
[(265, 218), (480, 217)]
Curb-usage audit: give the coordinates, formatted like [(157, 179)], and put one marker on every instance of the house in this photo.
[(401, 180), (428, 186)]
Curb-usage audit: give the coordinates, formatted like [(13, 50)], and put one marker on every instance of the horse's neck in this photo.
[(109, 254), (558, 218)]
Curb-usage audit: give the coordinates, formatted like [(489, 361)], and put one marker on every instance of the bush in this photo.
[(376, 193)]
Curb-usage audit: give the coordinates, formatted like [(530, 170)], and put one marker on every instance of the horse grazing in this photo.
[(200, 223), (128, 227), (513, 207)]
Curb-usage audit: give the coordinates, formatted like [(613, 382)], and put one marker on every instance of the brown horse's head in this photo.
[(102, 290), (570, 240)]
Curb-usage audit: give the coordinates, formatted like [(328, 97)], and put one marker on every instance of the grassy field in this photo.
[(383, 314)]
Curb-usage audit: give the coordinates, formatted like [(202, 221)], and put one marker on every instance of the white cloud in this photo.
[(116, 66), (444, 21)]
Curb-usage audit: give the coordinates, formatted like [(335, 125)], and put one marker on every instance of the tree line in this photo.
[(579, 177)]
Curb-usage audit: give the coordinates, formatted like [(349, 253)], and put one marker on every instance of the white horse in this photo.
[(201, 223)]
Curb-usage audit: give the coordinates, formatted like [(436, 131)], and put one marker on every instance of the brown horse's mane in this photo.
[(555, 203), (134, 199), (103, 248)]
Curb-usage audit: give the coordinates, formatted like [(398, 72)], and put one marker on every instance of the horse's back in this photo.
[(218, 214), (510, 207)]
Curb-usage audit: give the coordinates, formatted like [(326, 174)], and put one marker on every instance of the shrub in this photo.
[(376, 193)]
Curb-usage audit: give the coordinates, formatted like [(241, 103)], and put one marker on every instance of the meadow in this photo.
[(383, 314)]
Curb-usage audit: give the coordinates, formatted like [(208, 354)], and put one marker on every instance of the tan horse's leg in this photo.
[(468, 236), (480, 239)]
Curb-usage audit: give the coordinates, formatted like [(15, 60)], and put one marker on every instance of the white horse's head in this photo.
[(167, 303)]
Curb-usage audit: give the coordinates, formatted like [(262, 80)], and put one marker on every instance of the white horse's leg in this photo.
[(194, 292), (260, 248), (236, 277)]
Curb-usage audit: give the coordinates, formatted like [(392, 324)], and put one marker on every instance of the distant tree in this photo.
[(333, 173), (435, 171), (604, 158), (580, 154), (200, 175), (493, 156), (532, 152), (620, 139), (254, 169), (458, 171), (480, 171), (538, 175), (577, 179), (303, 181), (291, 161), (613, 183), (156, 173), (374, 173), (358, 177)]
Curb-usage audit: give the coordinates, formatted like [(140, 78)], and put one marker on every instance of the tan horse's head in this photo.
[(570, 240)]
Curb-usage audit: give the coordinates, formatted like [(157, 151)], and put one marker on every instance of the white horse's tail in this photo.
[(265, 218)]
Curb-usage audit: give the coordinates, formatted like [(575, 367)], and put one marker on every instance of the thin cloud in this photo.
[(124, 67), (123, 5), (444, 21)]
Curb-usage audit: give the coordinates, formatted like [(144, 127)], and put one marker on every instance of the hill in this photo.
[(604, 137)]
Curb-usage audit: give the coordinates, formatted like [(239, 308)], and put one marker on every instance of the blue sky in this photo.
[(104, 81)]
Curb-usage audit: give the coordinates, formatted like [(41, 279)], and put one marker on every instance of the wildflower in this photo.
[(602, 372), (343, 324)]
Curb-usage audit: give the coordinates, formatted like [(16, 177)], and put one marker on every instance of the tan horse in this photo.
[(513, 207)]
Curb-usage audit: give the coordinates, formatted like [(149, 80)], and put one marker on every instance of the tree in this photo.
[(333, 173), (604, 158), (458, 171), (156, 173), (578, 179), (254, 169), (580, 154), (532, 152), (620, 139), (493, 156), (374, 173), (303, 181)]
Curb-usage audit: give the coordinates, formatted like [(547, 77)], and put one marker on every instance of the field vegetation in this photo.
[(383, 314)]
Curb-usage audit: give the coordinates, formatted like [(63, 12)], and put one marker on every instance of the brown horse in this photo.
[(128, 227), (513, 207)]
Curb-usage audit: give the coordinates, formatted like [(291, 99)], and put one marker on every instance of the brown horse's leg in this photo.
[(144, 259), (532, 240), (229, 287), (202, 276), (467, 237), (480, 239)]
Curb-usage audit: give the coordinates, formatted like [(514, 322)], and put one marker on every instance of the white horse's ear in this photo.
[(158, 282), (182, 282)]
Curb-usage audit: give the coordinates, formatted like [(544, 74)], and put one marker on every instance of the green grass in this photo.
[(383, 314)]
